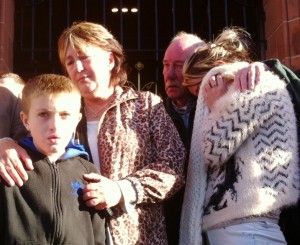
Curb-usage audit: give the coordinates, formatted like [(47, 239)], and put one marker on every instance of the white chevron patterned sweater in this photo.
[(257, 128)]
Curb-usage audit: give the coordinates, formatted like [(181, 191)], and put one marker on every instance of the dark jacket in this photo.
[(185, 134), (10, 121), (173, 205), (48, 209), (290, 217)]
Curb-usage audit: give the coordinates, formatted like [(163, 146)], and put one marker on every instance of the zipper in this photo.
[(56, 196)]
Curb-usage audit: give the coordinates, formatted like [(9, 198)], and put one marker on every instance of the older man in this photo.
[(180, 105)]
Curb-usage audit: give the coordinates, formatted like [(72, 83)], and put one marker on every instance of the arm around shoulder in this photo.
[(12, 156)]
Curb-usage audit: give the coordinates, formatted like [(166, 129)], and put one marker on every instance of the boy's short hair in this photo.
[(49, 84)]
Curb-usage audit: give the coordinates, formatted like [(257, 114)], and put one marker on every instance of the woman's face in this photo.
[(89, 70), (194, 89)]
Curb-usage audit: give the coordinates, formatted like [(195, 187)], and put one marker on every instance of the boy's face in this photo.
[(52, 119)]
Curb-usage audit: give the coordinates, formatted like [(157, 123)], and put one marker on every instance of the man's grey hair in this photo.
[(191, 38)]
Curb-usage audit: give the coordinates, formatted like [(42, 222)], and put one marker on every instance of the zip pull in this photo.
[(53, 163)]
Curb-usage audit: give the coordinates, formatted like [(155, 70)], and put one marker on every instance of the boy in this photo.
[(48, 208)]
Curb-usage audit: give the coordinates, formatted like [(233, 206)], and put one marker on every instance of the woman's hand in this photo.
[(248, 77), (101, 193), (214, 89), (12, 170), (245, 79)]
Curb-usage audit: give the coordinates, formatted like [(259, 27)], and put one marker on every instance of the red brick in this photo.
[(275, 14), (295, 63), (293, 7), (294, 36)]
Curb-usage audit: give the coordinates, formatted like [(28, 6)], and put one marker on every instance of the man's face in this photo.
[(172, 70)]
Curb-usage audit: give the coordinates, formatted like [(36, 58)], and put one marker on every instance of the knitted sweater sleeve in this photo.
[(236, 116)]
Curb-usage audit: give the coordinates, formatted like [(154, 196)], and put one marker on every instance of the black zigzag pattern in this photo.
[(267, 120)]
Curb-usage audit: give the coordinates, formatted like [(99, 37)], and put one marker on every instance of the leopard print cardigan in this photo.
[(138, 142)]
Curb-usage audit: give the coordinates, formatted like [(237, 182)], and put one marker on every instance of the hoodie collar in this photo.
[(72, 149)]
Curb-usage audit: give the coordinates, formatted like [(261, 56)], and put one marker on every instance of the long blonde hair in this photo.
[(234, 44)]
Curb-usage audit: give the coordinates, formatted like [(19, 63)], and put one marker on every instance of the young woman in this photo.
[(243, 165)]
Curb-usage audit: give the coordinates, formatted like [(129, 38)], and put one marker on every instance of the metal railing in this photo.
[(144, 34)]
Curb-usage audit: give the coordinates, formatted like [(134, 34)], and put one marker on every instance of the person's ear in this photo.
[(111, 61), (24, 119)]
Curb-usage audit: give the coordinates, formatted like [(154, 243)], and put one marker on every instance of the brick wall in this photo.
[(282, 29), (6, 35)]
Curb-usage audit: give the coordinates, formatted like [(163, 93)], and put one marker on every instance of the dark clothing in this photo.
[(10, 121), (290, 217), (185, 133), (293, 82), (48, 209), (173, 205)]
